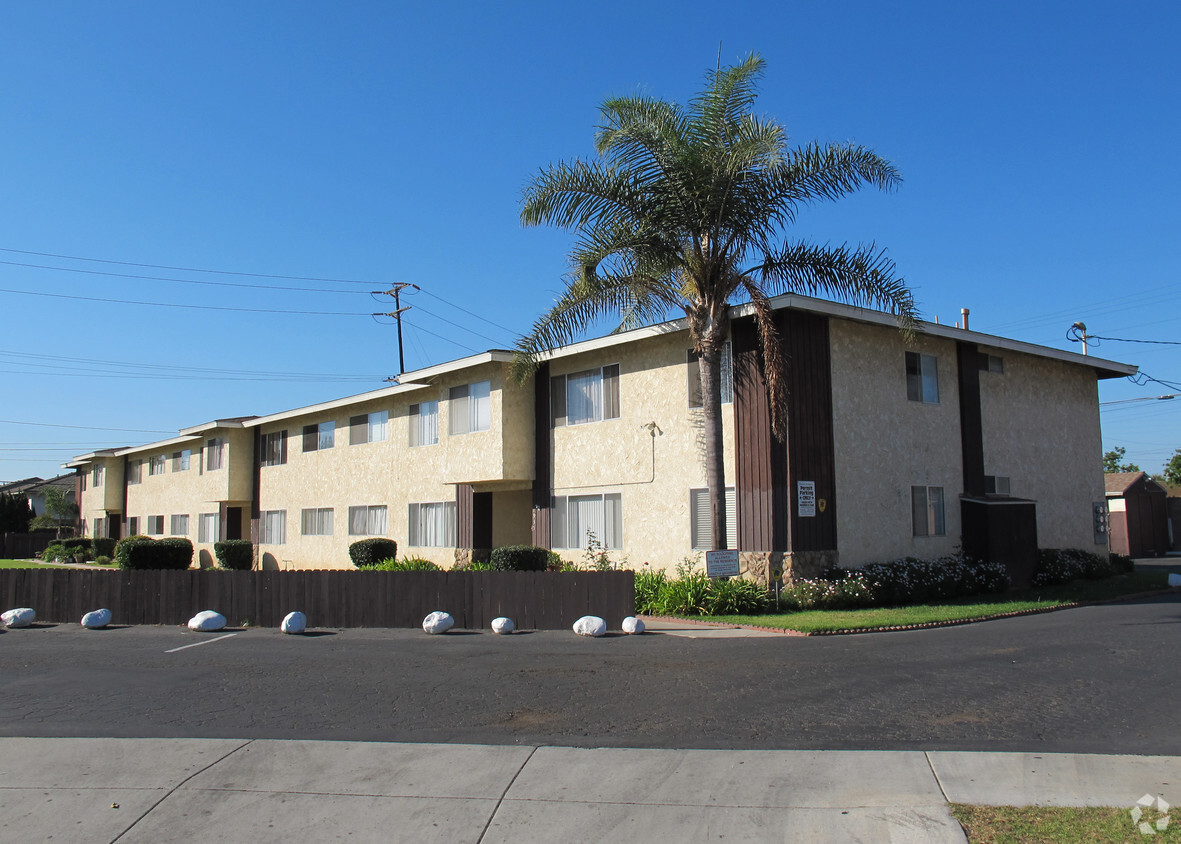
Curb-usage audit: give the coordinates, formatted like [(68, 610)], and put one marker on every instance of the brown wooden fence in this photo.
[(24, 546), (533, 600)]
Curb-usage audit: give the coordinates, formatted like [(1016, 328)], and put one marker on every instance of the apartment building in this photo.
[(894, 448)]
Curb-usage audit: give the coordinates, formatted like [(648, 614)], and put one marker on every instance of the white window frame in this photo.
[(701, 519), (424, 423), (178, 524), (726, 374), (316, 521), (922, 378), (369, 427), (433, 525), (157, 464), (469, 408), (376, 520), (208, 527), (215, 456), (593, 394), (573, 518), (272, 527), (928, 515), (181, 460)]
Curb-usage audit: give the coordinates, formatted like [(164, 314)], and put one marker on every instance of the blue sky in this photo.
[(383, 143)]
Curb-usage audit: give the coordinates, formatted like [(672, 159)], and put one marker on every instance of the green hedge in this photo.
[(520, 558), (371, 552), (75, 543), (104, 546), (234, 554), (145, 553), (1061, 565)]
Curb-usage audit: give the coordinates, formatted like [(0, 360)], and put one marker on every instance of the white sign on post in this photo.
[(721, 563), (806, 497)]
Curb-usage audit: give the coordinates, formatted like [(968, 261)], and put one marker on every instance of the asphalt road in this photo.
[(1092, 680)]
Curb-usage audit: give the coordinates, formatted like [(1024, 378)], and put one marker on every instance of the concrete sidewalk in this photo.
[(161, 790)]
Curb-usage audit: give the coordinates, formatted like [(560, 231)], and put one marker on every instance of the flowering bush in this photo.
[(1056, 565)]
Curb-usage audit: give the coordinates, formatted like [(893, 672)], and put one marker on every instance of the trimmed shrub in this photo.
[(102, 560), (142, 553), (104, 546), (408, 564), (370, 552), (1061, 565), (234, 554), (74, 544), (121, 552), (520, 558), (1122, 563)]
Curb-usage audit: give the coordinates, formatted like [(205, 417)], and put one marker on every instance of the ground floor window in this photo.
[(132, 525), (927, 511), (316, 521), (701, 520), (155, 525), (575, 519), (370, 520), (433, 524), (274, 527), (208, 525), (179, 525)]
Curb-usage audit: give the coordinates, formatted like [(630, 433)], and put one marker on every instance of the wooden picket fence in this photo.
[(533, 600)]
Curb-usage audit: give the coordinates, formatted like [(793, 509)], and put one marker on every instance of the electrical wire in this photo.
[(190, 307), (84, 427), (194, 371)]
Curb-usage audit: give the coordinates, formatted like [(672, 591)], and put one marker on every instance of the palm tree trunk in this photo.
[(715, 468)]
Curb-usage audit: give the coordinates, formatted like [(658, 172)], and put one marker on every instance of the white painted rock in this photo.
[(631, 624), (590, 625), (294, 622), (95, 620), (503, 625), (1174, 579), (207, 621), (22, 617), (438, 622)]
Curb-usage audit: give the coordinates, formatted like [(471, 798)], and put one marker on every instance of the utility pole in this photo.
[(396, 291)]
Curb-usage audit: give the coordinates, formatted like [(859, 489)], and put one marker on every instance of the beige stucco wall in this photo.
[(1041, 430), (885, 444), (652, 474), (98, 502), (393, 474)]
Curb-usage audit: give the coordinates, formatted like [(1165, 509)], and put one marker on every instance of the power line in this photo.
[(183, 269), (194, 371), (190, 307), (1125, 340), (83, 427)]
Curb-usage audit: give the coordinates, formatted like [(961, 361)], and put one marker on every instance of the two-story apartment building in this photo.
[(895, 447)]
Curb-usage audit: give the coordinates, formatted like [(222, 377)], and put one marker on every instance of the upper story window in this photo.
[(926, 511), (134, 471), (157, 465), (588, 396), (274, 448), (996, 485), (424, 423), (96, 475), (319, 437), (180, 460), (215, 454), (992, 363), (470, 408), (922, 378), (369, 427), (726, 374)]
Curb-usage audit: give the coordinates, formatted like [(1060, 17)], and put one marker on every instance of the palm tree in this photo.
[(685, 208)]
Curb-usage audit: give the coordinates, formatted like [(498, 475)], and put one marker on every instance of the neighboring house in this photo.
[(34, 489), (893, 449), (1138, 515)]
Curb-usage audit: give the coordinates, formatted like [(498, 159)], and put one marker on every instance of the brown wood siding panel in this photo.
[(543, 445), (463, 515), (971, 418), (759, 465), (811, 451)]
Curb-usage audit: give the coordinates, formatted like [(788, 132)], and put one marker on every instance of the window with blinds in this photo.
[(725, 374), (424, 423), (927, 513), (574, 519), (701, 520), (588, 396), (470, 408), (274, 448), (316, 521), (433, 524)]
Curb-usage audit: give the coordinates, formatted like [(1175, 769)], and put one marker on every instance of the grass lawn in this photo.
[(33, 564), (817, 621), (1030, 824)]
